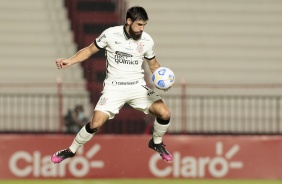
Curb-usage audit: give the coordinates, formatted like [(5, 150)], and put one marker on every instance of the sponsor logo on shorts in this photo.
[(150, 91)]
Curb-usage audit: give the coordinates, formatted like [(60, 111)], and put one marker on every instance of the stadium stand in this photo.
[(229, 54), (218, 42), (33, 35)]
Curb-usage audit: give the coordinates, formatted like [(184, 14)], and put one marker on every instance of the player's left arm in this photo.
[(153, 64)]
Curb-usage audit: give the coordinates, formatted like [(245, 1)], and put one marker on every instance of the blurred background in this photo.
[(226, 55)]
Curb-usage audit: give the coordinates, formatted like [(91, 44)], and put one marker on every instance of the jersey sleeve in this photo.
[(102, 41), (150, 53)]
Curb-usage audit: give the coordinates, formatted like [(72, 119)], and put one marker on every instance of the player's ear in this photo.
[(128, 21)]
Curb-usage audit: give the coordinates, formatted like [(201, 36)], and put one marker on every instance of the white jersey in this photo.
[(125, 55), (124, 81)]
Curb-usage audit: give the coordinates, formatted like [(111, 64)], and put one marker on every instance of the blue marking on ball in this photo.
[(153, 77), (161, 83), (162, 71)]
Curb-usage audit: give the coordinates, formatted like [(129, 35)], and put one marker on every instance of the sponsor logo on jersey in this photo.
[(114, 83), (124, 58)]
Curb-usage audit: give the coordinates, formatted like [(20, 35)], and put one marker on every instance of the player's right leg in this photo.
[(83, 136)]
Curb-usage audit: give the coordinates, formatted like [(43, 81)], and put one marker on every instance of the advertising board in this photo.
[(117, 156)]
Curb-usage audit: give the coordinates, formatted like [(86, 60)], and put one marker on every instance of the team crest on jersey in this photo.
[(103, 101), (140, 47)]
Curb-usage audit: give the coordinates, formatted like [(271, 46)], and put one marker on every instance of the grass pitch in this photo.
[(140, 181)]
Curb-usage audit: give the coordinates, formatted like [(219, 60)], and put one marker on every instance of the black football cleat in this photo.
[(160, 148)]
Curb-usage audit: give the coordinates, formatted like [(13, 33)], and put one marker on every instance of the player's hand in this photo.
[(63, 63)]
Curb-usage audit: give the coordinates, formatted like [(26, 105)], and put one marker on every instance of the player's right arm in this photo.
[(80, 56)]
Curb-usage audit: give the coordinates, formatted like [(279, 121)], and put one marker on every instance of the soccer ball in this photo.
[(163, 78)]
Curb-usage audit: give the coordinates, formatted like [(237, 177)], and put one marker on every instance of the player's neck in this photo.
[(126, 29)]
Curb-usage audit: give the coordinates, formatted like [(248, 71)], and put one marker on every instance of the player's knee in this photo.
[(165, 114), (98, 119), (95, 125), (90, 128)]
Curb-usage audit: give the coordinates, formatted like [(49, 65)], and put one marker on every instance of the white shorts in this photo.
[(116, 94)]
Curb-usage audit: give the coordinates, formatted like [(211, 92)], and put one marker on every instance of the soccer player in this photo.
[(127, 46)]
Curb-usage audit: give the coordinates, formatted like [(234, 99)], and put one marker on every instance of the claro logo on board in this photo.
[(192, 167), (40, 166), (25, 164)]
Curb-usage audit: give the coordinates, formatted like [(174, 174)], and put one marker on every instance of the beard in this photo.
[(134, 35)]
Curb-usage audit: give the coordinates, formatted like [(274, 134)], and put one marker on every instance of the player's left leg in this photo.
[(148, 101), (161, 124)]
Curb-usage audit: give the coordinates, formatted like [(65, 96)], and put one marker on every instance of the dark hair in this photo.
[(137, 13)]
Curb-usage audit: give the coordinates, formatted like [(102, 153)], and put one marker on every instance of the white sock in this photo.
[(159, 131), (81, 138)]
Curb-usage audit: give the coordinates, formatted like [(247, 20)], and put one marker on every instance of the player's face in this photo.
[(136, 29)]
